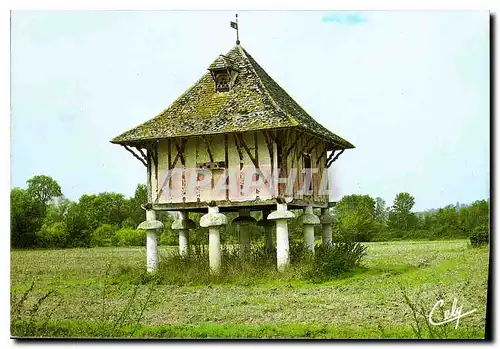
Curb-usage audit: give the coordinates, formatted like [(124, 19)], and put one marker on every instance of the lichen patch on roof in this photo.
[(255, 102), (222, 62)]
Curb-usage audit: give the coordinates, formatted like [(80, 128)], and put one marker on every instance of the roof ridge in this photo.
[(296, 120), (264, 88), (224, 107), (256, 102)]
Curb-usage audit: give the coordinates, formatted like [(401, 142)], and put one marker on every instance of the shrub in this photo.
[(258, 266), (298, 252), (480, 236), (53, 235), (128, 223), (169, 238), (104, 236), (130, 237), (332, 261)]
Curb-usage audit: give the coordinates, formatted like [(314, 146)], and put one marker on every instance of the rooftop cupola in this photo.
[(224, 73)]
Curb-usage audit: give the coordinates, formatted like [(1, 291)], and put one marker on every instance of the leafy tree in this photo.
[(131, 237), (103, 208), (56, 210), (169, 238), (355, 218), (198, 236), (135, 211), (91, 211), (428, 220), (128, 223), (400, 217), (104, 236), (53, 235), (447, 222), (475, 215), (43, 188), (77, 226), (26, 217), (403, 203), (381, 211)]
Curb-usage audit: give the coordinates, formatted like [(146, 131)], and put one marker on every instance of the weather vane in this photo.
[(234, 25)]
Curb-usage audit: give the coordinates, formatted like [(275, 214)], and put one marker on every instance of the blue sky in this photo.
[(409, 89)]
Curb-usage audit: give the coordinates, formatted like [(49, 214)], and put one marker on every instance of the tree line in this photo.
[(41, 217), (363, 218)]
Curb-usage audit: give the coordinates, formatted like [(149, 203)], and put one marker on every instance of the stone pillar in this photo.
[(213, 220), (326, 220), (183, 224), (281, 215), (309, 220), (151, 225), (268, 230), (244, 223)]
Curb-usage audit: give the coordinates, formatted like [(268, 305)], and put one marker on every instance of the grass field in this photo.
[(368, 303)]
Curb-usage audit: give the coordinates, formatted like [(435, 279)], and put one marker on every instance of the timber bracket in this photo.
[(331, 159), (142, 157)]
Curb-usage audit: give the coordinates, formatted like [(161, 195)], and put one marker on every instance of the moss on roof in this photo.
[(222, 62), (255, 102)]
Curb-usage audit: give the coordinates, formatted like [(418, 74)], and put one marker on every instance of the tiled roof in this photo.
[(222, 62), (255, 102)]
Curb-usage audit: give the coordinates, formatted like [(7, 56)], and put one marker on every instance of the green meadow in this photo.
[(87, 293)]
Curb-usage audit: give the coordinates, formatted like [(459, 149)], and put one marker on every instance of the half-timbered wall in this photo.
[(295, 146), (233, 156)]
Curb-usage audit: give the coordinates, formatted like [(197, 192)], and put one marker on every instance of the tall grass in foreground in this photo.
[(259, 265), (126, 322), (29, 320), (421, 325), (274, 310)]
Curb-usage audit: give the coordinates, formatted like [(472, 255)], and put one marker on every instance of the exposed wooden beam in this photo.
[(180, 151), (271, 134), (323, 154), (238, 148), (142, 153), (306, 143), (270, 148), (335, 158), (247, 149), (293, 144), (314, 145), (209, 150), (136, 156), (332, 154), (171, 164), (152, 149)]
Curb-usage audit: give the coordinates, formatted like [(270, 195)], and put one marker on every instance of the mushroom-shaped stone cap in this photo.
[(280, 215), (179, 224), (244, 220), (310, 219), (213, 220), (326, 218), (150, 225)]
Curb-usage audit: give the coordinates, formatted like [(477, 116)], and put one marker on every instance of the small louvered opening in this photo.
[(222, 82)]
